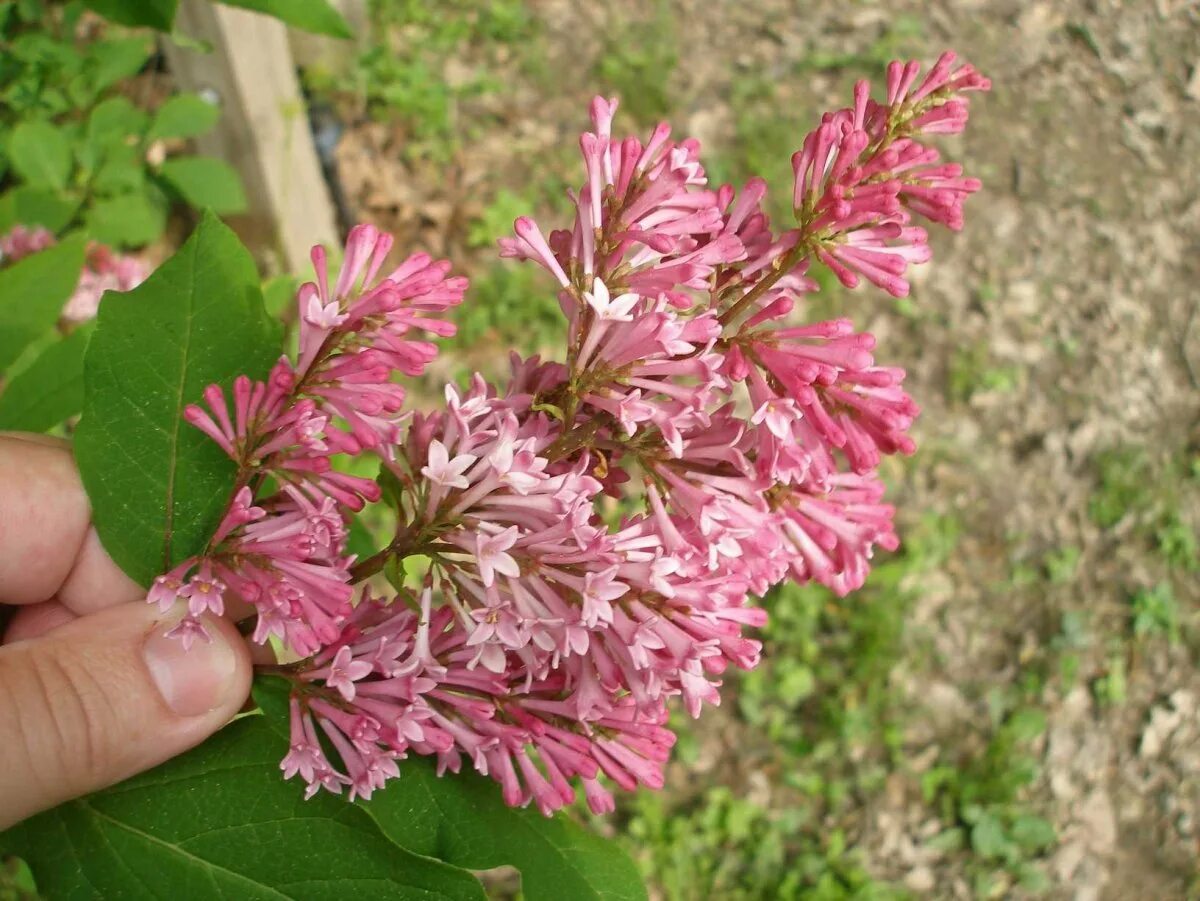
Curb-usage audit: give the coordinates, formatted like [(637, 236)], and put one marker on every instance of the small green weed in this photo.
[(980, 799), (766, 132), (510, 305), (636, 64), (1128, 483), (1155, 613), (1110, 688), (1125, 485), (903, 36), (403, 75), (973, 370), (831, 724), (1177, 542), (1062, 565), (730, 847), (497, 218)]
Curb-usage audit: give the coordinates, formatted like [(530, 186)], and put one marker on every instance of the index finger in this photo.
[(47, 547)]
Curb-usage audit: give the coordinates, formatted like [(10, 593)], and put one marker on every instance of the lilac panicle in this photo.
[(549, 634)]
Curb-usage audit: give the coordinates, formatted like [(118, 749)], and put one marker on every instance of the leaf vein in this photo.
[(169, 847)]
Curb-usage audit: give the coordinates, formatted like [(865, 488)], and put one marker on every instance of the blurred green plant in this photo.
[(981, 800), (1177, 542), (1124, 485), (824, 723), (973, 370), (410, 70), (75, 152), (1154, 495), (902, 36), (1155, 613), (510, 306), (736, 848), (1111, 686), (1062, 565), (637, 61), (16, 881), (316, 16)]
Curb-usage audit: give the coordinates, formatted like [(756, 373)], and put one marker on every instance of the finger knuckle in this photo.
[(61, 713)]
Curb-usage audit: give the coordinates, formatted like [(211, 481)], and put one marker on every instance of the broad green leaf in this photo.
[(158, 486), (359, 540), (37, 206), (121, 172), (115, 60), (206, 182), (113, 120), (220, 822), (316, 16), (49, 390), (32, 294), (183, 116), (1033, 833), (988, 838), (128, 220), (462, 820), (159, 14), (40, 154)]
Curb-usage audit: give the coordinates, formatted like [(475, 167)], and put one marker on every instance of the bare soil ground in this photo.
[(1059, 326)]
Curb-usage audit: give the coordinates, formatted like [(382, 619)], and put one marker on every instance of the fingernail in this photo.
[(194, 681)]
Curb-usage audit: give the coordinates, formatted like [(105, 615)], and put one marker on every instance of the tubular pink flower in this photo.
[(550, 635)]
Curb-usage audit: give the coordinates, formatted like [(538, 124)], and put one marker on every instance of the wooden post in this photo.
[(263, 131)]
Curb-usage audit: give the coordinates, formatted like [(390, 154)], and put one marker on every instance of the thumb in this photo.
[(107, 696)]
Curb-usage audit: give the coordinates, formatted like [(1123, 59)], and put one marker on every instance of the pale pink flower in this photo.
[(492, 557), (608, 308), (323, 316), (445, 472), (345, 671)]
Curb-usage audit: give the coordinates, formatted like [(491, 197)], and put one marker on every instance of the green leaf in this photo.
[(988, 838), (1026, 724), (40, 154), (112, 121), (158, 486), (32, 294), (16, 879), (122, 173), (1033, 833), (115, 60), (206, 182), (316, 16), (159, 14), (220, 822), (183, 116), (37, 206), (50, 390), (128, 220), (359, 541), (462, 820)]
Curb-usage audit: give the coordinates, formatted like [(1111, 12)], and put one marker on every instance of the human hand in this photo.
[(91, 691)]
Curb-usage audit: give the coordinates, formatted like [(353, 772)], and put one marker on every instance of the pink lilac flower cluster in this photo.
[(588, 539), (103, 270), (283, 549)]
